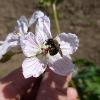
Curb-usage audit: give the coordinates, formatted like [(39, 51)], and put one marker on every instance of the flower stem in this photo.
[(56, 17)]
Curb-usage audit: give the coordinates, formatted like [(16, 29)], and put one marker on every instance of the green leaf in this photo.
[(87, 80)]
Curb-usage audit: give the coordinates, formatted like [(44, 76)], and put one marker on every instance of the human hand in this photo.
[(15, 85), (55, 87), (52, 87)]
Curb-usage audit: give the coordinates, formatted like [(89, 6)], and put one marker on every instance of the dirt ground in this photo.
[(77, 16)]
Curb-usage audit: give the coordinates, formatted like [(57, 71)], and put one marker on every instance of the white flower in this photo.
[(42, 51), (13, 39)]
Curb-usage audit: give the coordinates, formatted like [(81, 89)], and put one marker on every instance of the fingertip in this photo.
[(72, 93)]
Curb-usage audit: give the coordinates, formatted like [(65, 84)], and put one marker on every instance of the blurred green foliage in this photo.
[(87, 81)]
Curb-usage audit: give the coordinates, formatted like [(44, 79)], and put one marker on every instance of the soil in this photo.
[(77, 16)]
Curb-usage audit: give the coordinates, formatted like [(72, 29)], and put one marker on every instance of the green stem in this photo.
[(56, 17)]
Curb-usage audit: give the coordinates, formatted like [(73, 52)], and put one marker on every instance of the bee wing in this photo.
[(60, 52)]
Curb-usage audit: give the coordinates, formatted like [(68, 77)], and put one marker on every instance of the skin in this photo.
[(14, 86), (52, 87), (55, 87)]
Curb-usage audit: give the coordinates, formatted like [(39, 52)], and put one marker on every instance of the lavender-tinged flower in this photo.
[(42, 50), (13, 39)]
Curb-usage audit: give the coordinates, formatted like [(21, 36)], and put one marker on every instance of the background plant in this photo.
[(87, 81)]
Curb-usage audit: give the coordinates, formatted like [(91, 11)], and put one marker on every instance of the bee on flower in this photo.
[(42, 50)]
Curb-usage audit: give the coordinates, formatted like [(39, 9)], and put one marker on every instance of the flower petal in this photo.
[(22, 25), (60, 65), (35, 16), (32, 67), (11, 40), (1, 53), (68, 43), (29, 45), (1, 42), (42, 29)]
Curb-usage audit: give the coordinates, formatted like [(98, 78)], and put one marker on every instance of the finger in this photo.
[(15, 85), (53, 87), (72, 94)]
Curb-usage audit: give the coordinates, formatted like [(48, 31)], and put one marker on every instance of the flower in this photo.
[(42, 50), (13, 38)]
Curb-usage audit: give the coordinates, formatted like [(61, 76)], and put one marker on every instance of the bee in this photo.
[(54, 47)]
